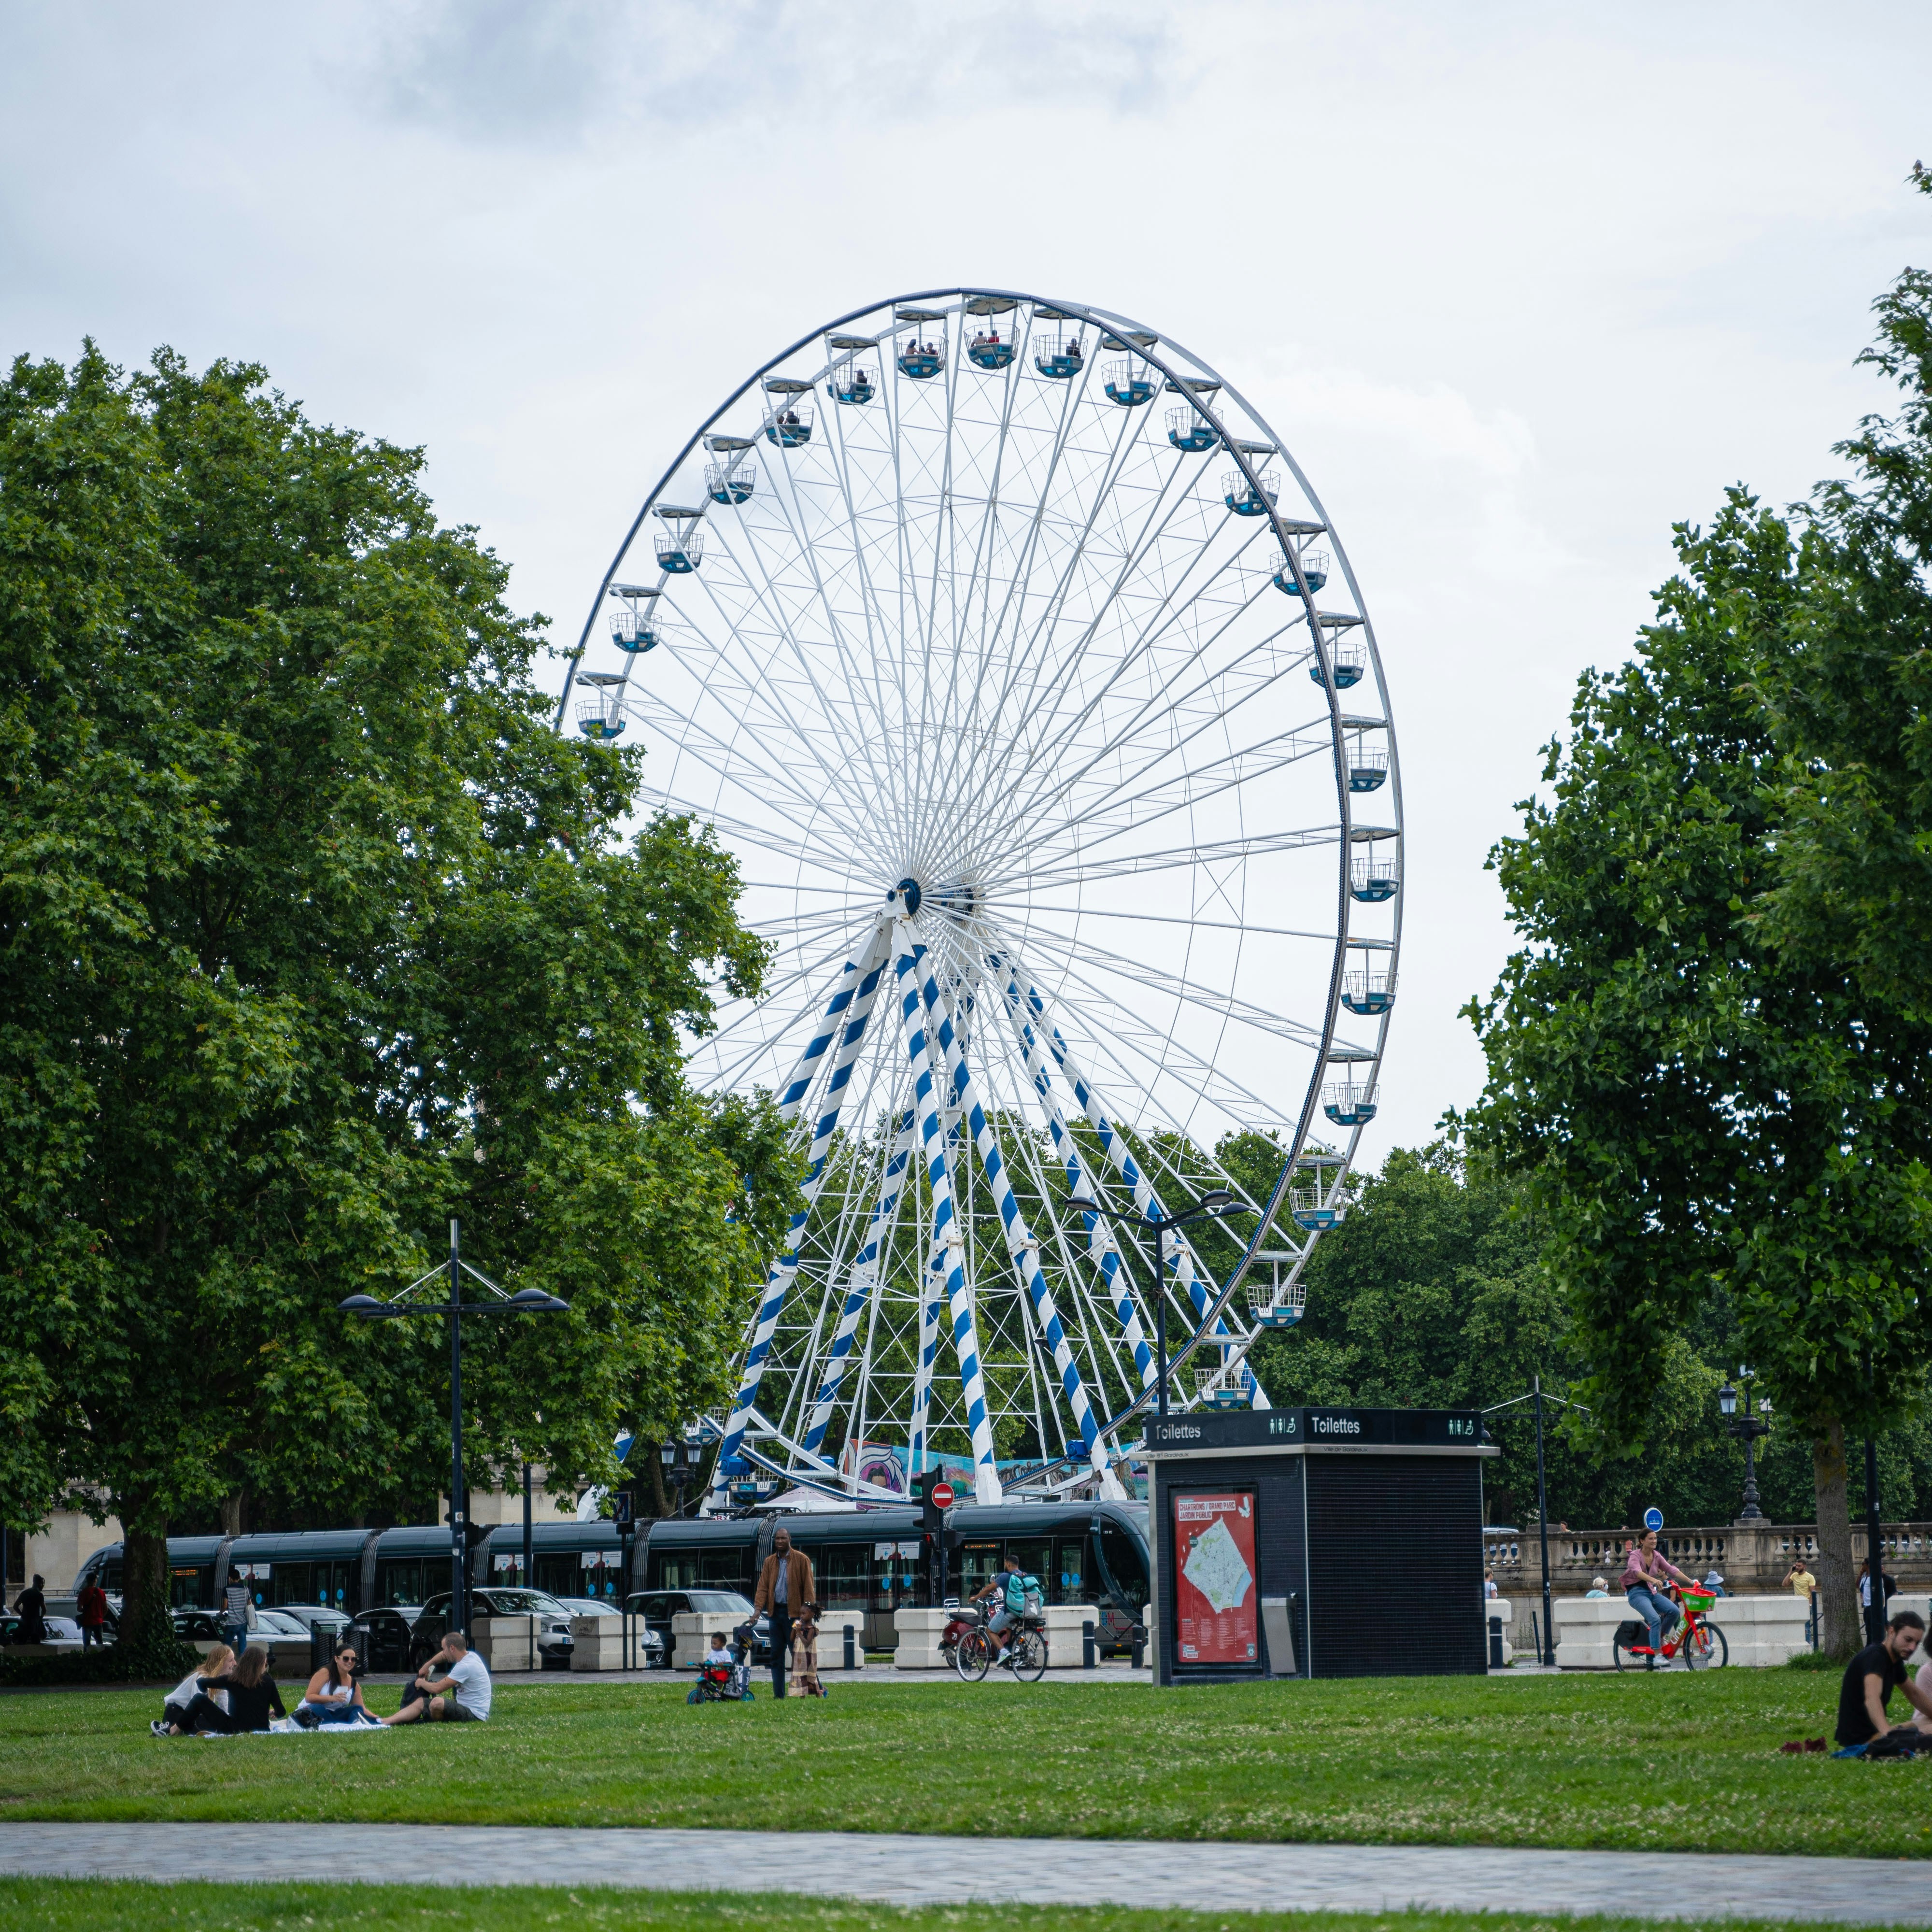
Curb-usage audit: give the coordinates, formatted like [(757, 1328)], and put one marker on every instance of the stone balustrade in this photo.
[(1751, 1557)]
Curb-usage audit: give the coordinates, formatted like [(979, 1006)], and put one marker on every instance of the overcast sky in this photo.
[(1520, 286)]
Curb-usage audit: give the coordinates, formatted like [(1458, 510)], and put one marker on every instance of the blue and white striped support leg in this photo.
[(861, 1281), (1101, 1246), (927, 1103), (1021, 1248), (931, 1310), (1180, 1256), (845, 1016)]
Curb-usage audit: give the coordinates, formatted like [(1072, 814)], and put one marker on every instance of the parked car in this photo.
[(383, 1635), (311, 1615), (657, 1608), (62, 1631), (553, 1638)]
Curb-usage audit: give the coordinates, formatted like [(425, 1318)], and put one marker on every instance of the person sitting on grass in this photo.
[(334, 1695), (210, 1679), (461, 1696), (251, 1698), (1871, 1678)]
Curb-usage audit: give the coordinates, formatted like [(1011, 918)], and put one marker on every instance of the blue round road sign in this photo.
[(1653, 1518)]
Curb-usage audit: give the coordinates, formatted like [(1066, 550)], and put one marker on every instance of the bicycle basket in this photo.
[(1696, 1600), (1630, 1633)]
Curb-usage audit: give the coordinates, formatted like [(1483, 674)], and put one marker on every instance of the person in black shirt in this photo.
[(252, 1698), (1873, 1675)]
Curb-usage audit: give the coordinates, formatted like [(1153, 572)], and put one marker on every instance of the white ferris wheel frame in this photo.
[(891, 955)]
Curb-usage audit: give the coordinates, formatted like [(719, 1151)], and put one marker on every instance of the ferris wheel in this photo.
[(1012, 655)]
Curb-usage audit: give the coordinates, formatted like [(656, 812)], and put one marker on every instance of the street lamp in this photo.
[(1747, 1428), (680, 1456), (525, 1301), (1209, 1207)]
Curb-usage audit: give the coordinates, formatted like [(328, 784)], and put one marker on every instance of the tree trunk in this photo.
[(231, 1516), (1837, 1594), (146, 1645), (660, 1502)]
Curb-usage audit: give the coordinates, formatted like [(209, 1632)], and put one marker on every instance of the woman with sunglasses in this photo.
[(334, 1695)]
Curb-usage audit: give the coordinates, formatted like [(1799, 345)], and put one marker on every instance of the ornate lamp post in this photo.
[(680, 1455), (1747, 1428), (1209, 1207), (526, 1301)]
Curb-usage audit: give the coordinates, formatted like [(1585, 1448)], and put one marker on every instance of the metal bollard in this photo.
[(1535, 1638), (1137, 1638), (851, 1650), (1089, 1655), (1495, 1643)]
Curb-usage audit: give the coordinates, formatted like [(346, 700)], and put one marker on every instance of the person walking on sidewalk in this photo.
[(785, 1584)]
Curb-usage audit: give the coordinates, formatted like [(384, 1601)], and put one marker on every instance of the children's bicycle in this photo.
[(1701, 1644)]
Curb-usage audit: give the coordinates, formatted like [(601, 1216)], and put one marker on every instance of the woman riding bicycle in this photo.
[(1646, 1570)]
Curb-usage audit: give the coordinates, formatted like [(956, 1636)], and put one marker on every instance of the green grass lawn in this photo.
[(74, 1905), (1667, 1762)]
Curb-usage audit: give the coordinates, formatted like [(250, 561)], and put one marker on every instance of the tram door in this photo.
[(978, 1563)]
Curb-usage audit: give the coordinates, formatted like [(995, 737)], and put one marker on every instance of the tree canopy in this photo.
[(1711, 1061), (314, 934)]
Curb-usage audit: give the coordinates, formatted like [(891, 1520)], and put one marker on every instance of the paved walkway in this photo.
[(906, 1870)]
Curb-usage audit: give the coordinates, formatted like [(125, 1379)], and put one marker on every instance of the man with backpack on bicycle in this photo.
[(1013, 1592)]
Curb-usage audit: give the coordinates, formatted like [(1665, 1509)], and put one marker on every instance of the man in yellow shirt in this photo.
[(1800, 1580)]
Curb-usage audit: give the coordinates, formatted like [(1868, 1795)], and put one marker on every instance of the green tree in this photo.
[(314, 934), (1699, 1112)]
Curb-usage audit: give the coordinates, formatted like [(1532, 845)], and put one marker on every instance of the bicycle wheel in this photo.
[(1706, 1648), (974, 1657), (1030, 1656)]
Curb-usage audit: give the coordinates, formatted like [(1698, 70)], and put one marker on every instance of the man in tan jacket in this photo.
[(785, 1584)]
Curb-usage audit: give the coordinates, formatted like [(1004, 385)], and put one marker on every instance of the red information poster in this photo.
[(1214, 1578)]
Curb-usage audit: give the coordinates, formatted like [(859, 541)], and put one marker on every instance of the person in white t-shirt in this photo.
[(461, 1696)]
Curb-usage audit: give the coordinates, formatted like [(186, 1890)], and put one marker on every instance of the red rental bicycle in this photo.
[(1700, 1643)]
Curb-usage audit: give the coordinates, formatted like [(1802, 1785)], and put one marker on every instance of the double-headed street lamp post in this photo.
[(1209, 1207), (1748, 1427), (526, 1301), (681, 1455)]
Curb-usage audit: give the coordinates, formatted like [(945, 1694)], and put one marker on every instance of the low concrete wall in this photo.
[(508, 1645), (690, 1635), (1759, 1631), (597, 1643), (918, 1633)]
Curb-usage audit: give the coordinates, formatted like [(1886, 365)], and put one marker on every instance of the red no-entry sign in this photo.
[(942, 1496)]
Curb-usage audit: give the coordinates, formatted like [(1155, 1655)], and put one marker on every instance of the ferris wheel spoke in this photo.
[(1204, 855)]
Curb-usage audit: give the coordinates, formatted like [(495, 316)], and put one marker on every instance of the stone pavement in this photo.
[(903, 1870)]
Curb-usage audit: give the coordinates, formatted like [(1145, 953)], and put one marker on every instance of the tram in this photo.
[(873, 1560)]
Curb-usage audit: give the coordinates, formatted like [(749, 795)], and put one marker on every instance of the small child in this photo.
[(805, 1655)]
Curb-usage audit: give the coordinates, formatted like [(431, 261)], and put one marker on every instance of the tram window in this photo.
[(109, 1578), (185, 1589), (1124, 1564), (978, 1562), (401, 1583), (727, 1569), (673, 1570), (1032, 1555), (1068, 1583), (845, 1575), (560, 1575), (291, 1582)]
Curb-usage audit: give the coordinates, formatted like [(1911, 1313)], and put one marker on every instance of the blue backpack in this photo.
[(1020, 1585)]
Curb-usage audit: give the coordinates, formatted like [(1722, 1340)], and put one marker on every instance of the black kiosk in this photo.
[(1317, 1543)]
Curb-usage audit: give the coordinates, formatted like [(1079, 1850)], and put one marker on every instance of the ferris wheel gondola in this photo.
[(993, 699)]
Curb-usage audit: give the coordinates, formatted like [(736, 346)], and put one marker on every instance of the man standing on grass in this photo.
[(90, 1608), (1871, 1678), (785, 1584), (461, 1696)]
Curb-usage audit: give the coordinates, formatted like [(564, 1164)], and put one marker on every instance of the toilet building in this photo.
[(1317, 1542)]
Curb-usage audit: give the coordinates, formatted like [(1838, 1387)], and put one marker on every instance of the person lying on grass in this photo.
[(1872, 1676), (461, 1696)]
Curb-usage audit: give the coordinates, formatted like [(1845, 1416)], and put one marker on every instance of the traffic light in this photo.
[(934, 1495)]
